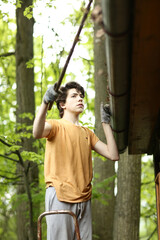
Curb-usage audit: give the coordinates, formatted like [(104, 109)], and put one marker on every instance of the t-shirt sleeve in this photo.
[(54, 125), (93, 138)]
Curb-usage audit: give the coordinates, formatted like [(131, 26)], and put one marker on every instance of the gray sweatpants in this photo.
[(61, 226)]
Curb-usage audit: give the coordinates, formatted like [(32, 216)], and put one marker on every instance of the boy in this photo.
[(68, 160)]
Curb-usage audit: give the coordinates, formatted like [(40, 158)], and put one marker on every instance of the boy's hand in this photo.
[(105, 113), (50, 95)]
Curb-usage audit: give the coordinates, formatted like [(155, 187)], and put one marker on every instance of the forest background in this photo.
[(55, 25)]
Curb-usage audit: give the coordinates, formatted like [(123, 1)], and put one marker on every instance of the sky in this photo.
[(51, 18), (48, 18)]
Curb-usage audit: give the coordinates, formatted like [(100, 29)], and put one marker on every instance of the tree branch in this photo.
[(9, 178), (88, 60), (150, 237), (5, 143), (11, 159), (13, 173), (7, 54), (20, 159), (15, 152), (13, 183), (146, 183)]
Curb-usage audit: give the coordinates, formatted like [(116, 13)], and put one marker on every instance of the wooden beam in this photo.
[(145, 84)]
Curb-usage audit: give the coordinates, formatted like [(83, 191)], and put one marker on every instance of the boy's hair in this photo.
[(63, 92)]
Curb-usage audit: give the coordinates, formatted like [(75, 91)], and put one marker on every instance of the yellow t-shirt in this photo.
[(68, 160)]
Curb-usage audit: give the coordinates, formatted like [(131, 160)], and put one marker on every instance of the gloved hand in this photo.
[(105, 113), (50, 95)]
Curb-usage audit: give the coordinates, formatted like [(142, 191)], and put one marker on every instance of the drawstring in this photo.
[(80, 209)]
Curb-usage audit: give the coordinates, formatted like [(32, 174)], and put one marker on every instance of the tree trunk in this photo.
[(25, 104), (103, 215), (127, 212)]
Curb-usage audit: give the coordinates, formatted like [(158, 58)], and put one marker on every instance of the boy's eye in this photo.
[(75, 95)]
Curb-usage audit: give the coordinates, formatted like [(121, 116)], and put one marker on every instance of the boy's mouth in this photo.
[(80, 105)]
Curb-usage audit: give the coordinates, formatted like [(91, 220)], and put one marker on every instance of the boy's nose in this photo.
[(80, 98)]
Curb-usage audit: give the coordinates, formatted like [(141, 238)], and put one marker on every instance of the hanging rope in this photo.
[(76, 39)]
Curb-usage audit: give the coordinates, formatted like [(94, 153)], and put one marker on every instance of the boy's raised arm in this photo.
[(40, 127)]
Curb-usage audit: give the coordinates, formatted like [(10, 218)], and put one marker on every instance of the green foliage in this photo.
[(7, 218), (18, 3), (30, 63), (100, 188), (7, 75), (148, 200), (32, 156), (28, 12)]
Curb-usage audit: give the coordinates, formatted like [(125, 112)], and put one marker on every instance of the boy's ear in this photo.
[(62, 105)]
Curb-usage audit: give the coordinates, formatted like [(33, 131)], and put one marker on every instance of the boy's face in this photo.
[(74, 101)]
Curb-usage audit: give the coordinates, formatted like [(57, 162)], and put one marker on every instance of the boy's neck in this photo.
[(73, 118)]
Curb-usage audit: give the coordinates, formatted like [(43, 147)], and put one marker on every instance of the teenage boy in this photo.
[(68, 160)]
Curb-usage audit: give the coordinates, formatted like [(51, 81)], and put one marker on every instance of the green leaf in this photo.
[(28, 12), (26, 115), (30, 63), (18, 3), (14, 148)]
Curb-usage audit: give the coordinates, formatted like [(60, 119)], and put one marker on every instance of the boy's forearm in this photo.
[(111, 143), (39, 122)]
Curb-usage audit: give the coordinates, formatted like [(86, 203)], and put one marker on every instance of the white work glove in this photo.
[(105, 113), (50, 95)]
